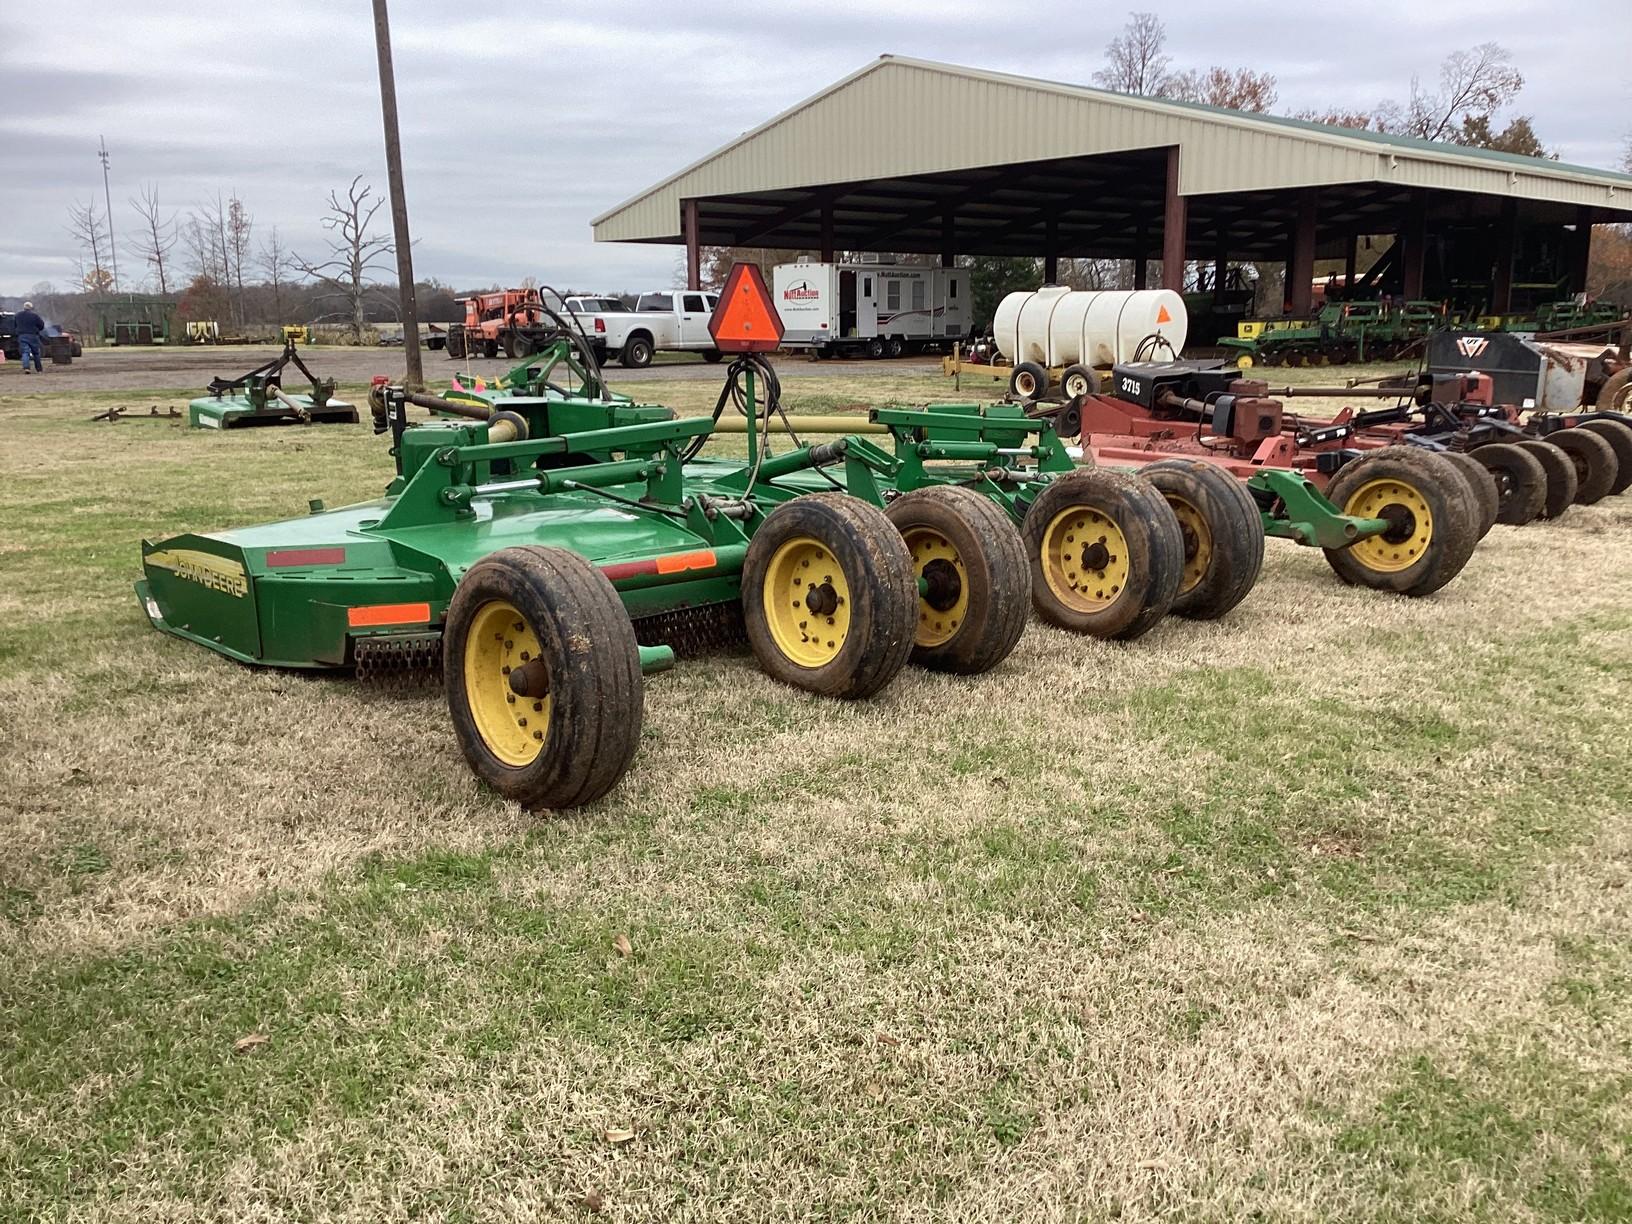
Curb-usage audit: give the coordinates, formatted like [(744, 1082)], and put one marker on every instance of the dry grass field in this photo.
[(1320, 912)]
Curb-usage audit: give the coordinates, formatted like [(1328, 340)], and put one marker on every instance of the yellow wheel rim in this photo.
[(1198, 542), (1244, 362), (512, 727), (1085, 559), (1404, 506), (944, 602), (807, 602)]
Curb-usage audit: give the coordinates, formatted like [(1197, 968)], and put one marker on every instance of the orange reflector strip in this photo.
[(389, 614), (677, 562)]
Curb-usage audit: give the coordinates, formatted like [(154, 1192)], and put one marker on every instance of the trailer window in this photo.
[(892, 295), (655, 301), (867, 287), (952, 286), (918, 289)]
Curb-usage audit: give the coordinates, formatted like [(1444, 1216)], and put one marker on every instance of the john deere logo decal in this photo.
[(1472, 346), (804, 291), (206, 569)]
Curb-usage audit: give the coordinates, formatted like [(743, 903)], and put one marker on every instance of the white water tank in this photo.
[(1056, 326)]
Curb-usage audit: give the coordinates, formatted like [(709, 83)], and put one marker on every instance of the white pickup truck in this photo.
[(674, 320)]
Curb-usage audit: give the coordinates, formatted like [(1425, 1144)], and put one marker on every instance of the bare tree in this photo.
[(1135, 62), (1239, 89), (274, 263), (1472, 85), (157, 236), (354, 256), (237, 229), (88, 226)]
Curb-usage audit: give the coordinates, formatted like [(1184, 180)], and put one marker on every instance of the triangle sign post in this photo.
[(745, 321)]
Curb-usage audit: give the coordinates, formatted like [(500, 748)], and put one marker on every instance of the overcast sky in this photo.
[(523, 122)]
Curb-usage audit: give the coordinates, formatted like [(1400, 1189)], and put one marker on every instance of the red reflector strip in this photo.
[(389, 614), (290, 558), (672, 563)]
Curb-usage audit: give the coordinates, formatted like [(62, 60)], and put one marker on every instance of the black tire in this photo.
[(870, 562), (512, 345), (1616, 393), (1561, 478), (1521, 481), (456, 345), (1436, 521), (1596, 467), (570, 613), (712, 356), (895, 347), (1078, 380), (1067, 541), (1223, 535), (1619, 436), (637, 352), (875, 348), (490, 349), (1482, 487), (966, 548), (1029, 381)]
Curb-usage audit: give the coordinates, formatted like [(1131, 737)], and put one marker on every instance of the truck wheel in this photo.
[(977, 585), (1079, 380), (637, 353), (1029, 381), (456, 346), (1486, 500), (1595, 464), (1521, 481), (1619, 436), (1106, 554), (1432, 521), (1616, 393), (1223, 534), (712, 356), (543, 677), (1561, 477), (517, 346), (829, 596)]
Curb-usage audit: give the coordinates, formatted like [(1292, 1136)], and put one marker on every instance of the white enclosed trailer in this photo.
[(881, 309)]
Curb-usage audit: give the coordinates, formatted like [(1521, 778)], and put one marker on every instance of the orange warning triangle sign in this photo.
[(745, 321), (1162, 316)]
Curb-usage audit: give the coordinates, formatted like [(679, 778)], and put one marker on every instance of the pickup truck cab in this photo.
[(671, 320)]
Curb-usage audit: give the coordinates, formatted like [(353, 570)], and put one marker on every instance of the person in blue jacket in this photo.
[(29, 328)]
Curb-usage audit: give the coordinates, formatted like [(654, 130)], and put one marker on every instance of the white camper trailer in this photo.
[(881, 309)]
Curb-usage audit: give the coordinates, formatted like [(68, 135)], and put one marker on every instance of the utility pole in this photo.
[(409, 307), (107, 198)]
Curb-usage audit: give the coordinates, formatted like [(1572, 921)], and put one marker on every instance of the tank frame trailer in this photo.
[(259, 398), (541, 551)]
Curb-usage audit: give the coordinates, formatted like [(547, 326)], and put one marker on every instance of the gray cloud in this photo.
[(522, 121)]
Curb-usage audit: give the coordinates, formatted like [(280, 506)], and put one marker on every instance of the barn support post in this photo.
[(827, 233), (1300, 272), (1351, 252), (1173, 227), (949, 244), (1414, 246), (694, 247), (1581, 250), (1507, 242), (1051, 250)]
